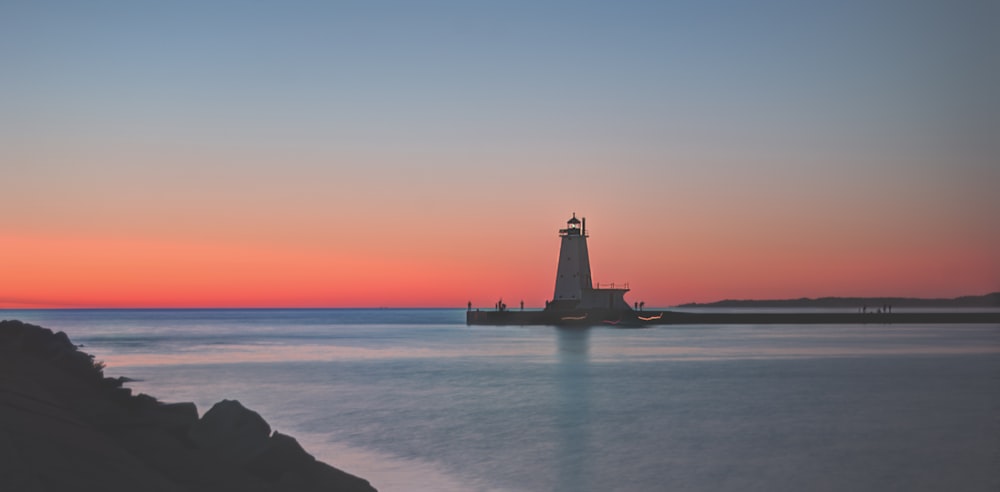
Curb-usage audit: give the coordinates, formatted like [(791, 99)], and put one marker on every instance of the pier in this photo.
[(578, 301), (636, 319)]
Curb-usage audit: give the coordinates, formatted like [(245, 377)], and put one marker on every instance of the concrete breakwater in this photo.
[(64, 426), (631, 318)]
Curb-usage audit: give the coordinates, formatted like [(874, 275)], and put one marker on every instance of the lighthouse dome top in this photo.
[(573, 227)]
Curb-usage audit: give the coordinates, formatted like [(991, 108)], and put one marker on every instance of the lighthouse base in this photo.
[(577, 317)]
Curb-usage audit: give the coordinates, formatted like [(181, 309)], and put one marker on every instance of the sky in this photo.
[(425, 153)]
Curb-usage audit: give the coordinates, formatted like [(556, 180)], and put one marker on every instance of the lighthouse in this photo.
[(574, 283)]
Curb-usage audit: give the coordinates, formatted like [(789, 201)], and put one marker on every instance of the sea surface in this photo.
[(414, 400)]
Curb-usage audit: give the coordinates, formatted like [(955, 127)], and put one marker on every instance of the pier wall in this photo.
[(632, 318)]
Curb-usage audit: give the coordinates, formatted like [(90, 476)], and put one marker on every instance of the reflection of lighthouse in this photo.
[(574, 283)]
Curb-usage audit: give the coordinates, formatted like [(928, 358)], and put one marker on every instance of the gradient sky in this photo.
[(411, 153)]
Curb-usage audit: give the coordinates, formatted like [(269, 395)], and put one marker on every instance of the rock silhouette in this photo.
[(64, 426)]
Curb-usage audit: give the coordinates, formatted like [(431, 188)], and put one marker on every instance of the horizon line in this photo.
[(192, 308)]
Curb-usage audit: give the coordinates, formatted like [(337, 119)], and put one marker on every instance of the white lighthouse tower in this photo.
[(574, 282)]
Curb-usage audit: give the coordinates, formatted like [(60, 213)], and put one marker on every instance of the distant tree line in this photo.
[(989, 300)]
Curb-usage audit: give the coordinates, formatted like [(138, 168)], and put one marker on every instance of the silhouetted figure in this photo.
[(642, 305), (470, 306), (522, 305)]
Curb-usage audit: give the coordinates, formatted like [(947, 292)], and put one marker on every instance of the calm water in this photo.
[(415, 400)]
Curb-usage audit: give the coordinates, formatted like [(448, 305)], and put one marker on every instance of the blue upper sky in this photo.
[(228, 118)]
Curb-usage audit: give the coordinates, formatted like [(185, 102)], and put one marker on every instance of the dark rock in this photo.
[(60, 342), (64, 426), (232, 431), (287, 463), (176, 417), (282, 455)]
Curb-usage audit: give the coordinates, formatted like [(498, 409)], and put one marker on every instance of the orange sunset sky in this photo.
[(363, 154)]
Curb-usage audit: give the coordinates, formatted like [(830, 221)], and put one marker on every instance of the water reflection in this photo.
[(573, 409)]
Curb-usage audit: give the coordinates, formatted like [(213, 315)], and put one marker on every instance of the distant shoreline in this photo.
[(991, 300)]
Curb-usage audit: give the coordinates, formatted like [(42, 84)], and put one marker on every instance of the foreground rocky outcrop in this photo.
[(64, 426)]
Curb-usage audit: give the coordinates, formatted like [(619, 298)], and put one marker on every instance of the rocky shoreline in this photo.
[(65, 426)]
